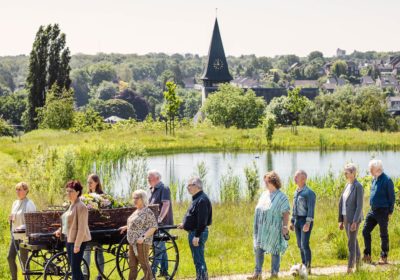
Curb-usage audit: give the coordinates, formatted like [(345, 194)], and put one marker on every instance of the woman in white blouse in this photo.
[(21, 206)]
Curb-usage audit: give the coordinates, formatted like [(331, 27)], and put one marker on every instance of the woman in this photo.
[(75, 228), (270, 225), (141, 226), (350, 214), (20, 206), (94, 186)]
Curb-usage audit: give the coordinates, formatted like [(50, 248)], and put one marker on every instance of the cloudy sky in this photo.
[(261, 27)]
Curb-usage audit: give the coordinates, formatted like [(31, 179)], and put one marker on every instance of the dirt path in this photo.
[(318, 271)]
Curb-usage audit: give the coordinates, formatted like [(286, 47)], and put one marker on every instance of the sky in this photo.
[(260, 27)]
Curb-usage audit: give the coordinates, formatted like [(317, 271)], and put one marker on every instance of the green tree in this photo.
[(13, 106), (106, 90), (113, 107), (88, 120), (269, 127), (314, 55), (80, 84), (5, 128), (102, 72), (232, 106), (171, 107), (339, 67), (295, 104)]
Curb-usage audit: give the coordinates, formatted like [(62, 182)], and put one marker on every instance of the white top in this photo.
[(18, 209), (346, 194)]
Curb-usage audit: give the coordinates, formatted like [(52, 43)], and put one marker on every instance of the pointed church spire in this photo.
[(216, 70)]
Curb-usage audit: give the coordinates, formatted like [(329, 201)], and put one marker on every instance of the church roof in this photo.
[(216, 69)]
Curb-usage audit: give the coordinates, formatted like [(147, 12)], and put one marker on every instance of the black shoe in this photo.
[(163, 274)]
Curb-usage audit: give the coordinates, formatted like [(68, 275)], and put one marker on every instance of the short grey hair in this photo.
[(197, 182), (143, 196), (351, 167), (154, 172), (302, 172), (376, 163)]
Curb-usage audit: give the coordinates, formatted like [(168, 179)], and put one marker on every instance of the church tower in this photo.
[(216, 70)]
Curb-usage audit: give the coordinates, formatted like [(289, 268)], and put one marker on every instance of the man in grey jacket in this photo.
[(351, 215)]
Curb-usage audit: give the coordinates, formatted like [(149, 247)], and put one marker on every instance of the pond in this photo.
[(177, 168)]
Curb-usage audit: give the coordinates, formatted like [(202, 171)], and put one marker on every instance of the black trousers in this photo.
[(378, 216)]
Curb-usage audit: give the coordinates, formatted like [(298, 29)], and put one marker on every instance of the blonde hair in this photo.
[(273, 178), (351, 167), (142, 195), (22, 185)]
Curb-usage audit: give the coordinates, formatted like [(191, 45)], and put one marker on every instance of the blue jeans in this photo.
[(275, 262), (303, 240), (160, 258), (198, 254), (100, 258), (75, 260)]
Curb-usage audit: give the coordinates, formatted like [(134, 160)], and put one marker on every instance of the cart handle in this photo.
[(168, 226)]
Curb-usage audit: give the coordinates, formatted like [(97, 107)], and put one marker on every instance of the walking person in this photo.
[(303, 216), (270, 226), (351, 214), (94, 186), (161, 195), (196, 221), (382, 199), (140, 228), (75, 228), (20, 206)]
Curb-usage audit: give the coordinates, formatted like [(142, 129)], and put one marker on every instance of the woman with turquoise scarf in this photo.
[(270, 225)]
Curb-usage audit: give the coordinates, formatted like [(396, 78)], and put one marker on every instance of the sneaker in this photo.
[(383, 260), (255, 277), (367, 259)]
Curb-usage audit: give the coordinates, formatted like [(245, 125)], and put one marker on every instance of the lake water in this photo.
[(180, 167)]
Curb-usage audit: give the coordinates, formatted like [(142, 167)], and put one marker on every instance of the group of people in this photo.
[(272, 222), (140, 227)]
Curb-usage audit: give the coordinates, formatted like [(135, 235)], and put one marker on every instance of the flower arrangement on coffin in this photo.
[(94, 201)]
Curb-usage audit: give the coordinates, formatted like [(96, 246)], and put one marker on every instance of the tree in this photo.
[(232, 106), (58, 112), (5, 128), (315, 54), (13, 106), (269, 127), (191, 102), (106, 90), (171, 107), (295, 105), (102, 72), (80, 84), (88, 120), (113, 107), (48, 66), (339, 67), (138, 102)]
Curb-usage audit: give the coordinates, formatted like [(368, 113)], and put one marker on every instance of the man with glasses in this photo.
[(196, 221), (161, 195)]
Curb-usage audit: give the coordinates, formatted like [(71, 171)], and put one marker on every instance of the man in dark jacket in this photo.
[(382, 201), (196, 222)]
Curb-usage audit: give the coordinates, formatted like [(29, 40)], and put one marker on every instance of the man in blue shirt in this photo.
[(382, 201), (303, 216)]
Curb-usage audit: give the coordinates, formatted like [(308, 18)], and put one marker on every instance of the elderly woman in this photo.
[(20, 206), (140, 227), (270, 225), (350, 213), (94, 186), (75, 228)]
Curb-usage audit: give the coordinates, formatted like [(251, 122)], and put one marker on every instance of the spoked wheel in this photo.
[(35, 264), (58, 267), (163, 257), (106, 256)]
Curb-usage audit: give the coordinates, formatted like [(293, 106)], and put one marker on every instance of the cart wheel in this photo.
[(58, 267), (105, 257), (35, 264), (171, 250)]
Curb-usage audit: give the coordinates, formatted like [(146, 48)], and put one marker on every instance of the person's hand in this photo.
[(195, 241), (11, 218), (159, 220), (353, 227), (291, 227), (122, 229), (341, 226), (140, 240), (285, 230), (306, 227), (76, 250), (57, 233), (180, 226)]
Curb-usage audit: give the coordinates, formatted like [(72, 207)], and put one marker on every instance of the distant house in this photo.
[(245, 82), (394, 62), (189, 82), (113, 119), (306, 83), (367, 81), (332, 83), (386, 81), (340, 53), (352, 69), (394, 105)]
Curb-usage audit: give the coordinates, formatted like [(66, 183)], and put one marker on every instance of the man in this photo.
[(196, 222), (161, 195), (382, 201), (303, 216)]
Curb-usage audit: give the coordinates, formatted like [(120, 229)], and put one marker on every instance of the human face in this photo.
[(92, 184), (270, 187), (375, 171), (72, 194), (350, 176), (299, 179), (153, 180), (137, 201), (21, 193), (191, 188)]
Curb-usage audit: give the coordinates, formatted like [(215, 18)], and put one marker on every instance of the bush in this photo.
[(5, 128), (88, 120), (252, 180)]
